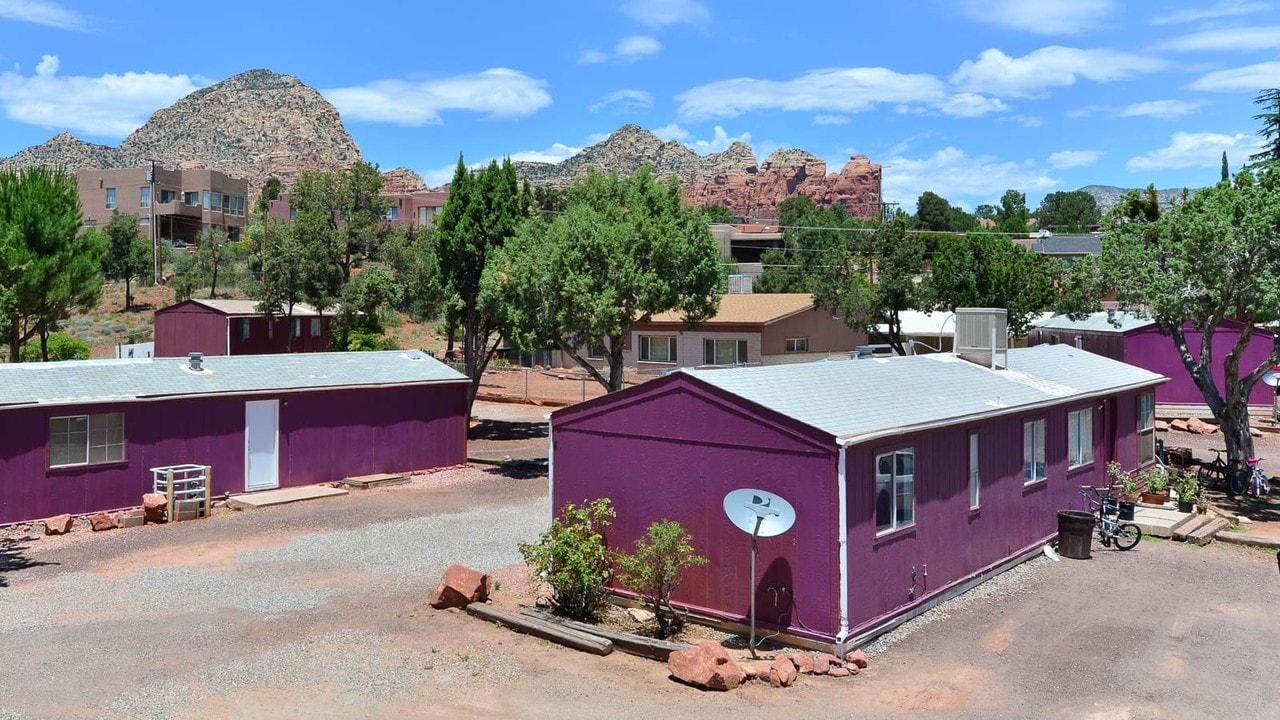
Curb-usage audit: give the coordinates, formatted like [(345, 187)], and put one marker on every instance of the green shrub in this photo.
[(61, 347), (656, 569), (573, 558)]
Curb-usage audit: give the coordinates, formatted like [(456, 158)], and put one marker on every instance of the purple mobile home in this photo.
[(912, 477), (80, 436), (1138, 341)]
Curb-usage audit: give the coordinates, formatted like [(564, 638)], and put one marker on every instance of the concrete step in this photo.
[(1191, 526), (1160, 521), (1261, 541), (1205, 533), (364, 482), (267, 498)]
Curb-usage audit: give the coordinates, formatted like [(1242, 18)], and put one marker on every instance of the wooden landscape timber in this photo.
[(651, 648), (558, 634)]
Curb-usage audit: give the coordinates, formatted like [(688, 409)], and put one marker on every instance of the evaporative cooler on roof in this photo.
[(982, 336)]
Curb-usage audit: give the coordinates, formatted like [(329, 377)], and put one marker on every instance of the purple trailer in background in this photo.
[(912, 478)]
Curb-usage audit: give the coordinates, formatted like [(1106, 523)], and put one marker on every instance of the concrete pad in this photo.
[(1246, 539), (364, 482), (267, 498), (1159, 522)]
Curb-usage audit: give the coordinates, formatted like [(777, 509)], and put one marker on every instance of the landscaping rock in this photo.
[(706, 665), (1161, 426), (60, 525), (782, 673), (1179, 425), (823, 663), (102, 521), (839, 672), (640, 615), (460, 587), (155, 507), (856, 658), (1200, 427), (803, 663), (756, 668)]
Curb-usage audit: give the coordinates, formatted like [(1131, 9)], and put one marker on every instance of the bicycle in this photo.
[(1103, 503), (1259, 484), (1218, 471)]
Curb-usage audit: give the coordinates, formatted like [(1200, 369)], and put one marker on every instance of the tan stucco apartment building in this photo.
[(172, 204)]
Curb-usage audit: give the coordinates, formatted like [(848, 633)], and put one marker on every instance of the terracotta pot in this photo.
[(1155, 498), (1131, 498)]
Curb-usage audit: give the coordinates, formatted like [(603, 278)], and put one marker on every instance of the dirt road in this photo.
[(317, 610)]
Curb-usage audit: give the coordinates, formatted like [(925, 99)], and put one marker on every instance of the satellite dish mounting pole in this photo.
[(754, 533)]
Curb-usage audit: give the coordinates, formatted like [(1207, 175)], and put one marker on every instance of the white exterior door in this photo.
[(261, 444)]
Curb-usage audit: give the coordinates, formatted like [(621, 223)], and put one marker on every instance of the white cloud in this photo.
[(968, 104), (436, 177), (1251, 78), (1228, 8), (1031, 121), (849, 90), (1074, 158), (828, 119), (999, 74), (628, 49), (659, 13), (1045, 17), (959, 178), (719, 142), (1241, 39), (671, 132), (624, 99), (1162, 108), (1188, 150), (554, 154), (500, 92), (43, 12), (106, 106)]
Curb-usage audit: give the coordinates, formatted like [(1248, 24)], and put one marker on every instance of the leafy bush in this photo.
[(655, 570), (61, 347), (573, 558), (363, 341)]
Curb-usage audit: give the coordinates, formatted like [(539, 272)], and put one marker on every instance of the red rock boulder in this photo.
[(155, 507), (59, 525), (1200, 427), (102, 521), (707, 665), (782, 673), (460, 587), (856, 658)]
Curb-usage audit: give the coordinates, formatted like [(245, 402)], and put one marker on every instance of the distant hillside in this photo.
[(1108, 196), (252, 125), (731, 178)]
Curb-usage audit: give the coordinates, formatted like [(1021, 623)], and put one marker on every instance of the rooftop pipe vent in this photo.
[(197, 361)]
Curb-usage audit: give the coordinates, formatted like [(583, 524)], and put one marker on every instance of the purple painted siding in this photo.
[(190, 327), (673, 447), (672, 450), (324, 436)]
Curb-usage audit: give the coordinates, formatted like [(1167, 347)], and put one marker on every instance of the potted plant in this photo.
[(1124, 483), (1188, 489), (1155, 486)]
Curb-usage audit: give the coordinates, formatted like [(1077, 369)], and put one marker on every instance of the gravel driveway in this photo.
[(316, 610)]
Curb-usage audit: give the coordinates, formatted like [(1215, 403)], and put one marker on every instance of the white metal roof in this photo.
[(94, 381), (1097, 322), (858, 399), (917, 322)]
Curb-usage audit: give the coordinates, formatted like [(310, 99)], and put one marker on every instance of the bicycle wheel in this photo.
[(1238, 482), (1127, 536), (1209, 476)]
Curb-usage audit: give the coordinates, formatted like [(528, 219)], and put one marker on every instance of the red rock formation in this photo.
[(856, 186)]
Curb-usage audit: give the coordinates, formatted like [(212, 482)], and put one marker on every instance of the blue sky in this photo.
[(966, 98)]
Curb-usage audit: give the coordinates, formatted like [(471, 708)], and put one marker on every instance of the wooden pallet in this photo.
[(364, 482)]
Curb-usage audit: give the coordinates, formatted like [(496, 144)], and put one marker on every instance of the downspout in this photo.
[(551, 470), (843, 535)]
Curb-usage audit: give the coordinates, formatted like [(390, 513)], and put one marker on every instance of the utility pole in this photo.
[(155, 238)]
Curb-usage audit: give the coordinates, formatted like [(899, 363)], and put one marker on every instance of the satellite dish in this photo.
[(745, 507), (1272, 376)]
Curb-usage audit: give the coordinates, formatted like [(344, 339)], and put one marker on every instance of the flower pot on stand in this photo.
[(1155, 498)]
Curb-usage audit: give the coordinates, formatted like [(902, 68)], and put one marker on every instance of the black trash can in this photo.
[(1075, 534), (1126, 510)]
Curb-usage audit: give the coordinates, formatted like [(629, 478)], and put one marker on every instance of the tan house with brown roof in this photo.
[(748, 329)]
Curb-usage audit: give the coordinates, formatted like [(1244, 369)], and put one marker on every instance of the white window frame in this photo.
[(900, 485), (1146, 428), (713, 356), (1035, 467), (595, 351), (797, 344), (646, 348), (98, 436), (242, 328), (144, 196), (295, 327), (316, 327), (111, 198), (975, 471), (1080, 438)]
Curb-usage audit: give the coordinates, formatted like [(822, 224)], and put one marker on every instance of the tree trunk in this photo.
[(128, 295), (15, 340), (44, 344), (213, 287)]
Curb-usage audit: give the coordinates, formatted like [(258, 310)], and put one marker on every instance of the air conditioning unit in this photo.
[(982, 335), (740, 284)]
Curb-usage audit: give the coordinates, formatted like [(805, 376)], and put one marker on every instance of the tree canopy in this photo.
[(128, 254), (1269, 101), (343, 212), (989, 270), (1074, 212), (934, 212), (1012, 215), (623, 251)]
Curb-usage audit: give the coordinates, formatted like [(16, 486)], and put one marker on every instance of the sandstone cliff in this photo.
[(252, 125), (731, 178)]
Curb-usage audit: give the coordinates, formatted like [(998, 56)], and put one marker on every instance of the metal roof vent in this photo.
[(196, 361), (982, 334)]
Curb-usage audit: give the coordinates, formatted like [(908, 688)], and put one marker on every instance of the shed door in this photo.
[(261, 444)]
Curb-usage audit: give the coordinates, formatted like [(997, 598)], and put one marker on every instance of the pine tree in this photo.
[(1226, 172), (1270, 131)]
